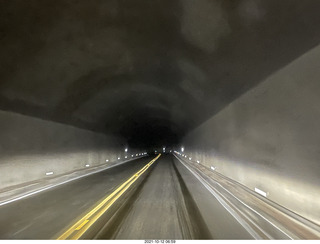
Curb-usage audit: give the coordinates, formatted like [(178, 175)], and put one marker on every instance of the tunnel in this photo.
[(159, 120)]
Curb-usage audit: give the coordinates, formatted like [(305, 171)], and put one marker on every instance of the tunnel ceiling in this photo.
[(149, 71)]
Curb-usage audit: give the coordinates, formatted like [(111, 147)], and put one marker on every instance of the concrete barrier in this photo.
[(269, 138), (31, 149)]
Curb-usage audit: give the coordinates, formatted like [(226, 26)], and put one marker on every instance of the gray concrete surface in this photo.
[(151, 74), (155, 213), (149, 71), (220, 223), (263, 218), (169, 202), (26, 189), (167, 207), (268, 138), (173, 204), (45, 215), (31, 147)]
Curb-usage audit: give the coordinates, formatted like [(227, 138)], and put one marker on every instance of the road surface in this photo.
[(156, 197)]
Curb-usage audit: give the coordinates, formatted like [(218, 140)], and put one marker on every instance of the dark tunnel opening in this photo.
[(234, 83), (93, 65)]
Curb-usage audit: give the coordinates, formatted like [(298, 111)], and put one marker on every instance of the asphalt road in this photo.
[(160, 210), (43, 215), (169, 206), (168, 202)]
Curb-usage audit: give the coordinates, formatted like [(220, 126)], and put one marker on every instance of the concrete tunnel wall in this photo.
[(30, 147), (269, 137)]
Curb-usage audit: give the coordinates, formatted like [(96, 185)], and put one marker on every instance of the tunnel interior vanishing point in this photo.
[(231, 86)]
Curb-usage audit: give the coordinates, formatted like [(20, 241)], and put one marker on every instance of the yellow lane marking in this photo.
[(83, 223), (71, 229), (77, 227), (97, 216)]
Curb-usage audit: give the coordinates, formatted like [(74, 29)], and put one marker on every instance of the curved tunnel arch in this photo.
[(233, 82), (82, 54), (119, 96)]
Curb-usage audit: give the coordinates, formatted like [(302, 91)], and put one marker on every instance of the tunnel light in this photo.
[(118, 158), (126, 150), (260, 192), (49, 173), (136, 155), (126, 157), (190, 158), (185, 156), (87, 165), (198, 161), (213, 168), (107, 160), (132, 156), (182, 149)]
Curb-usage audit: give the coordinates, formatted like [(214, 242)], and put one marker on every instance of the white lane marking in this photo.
[(260, 192), (246, 217), (248, 206), (49, 173), (24, 228), (61, 183), (255, 212), (223, 203)]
